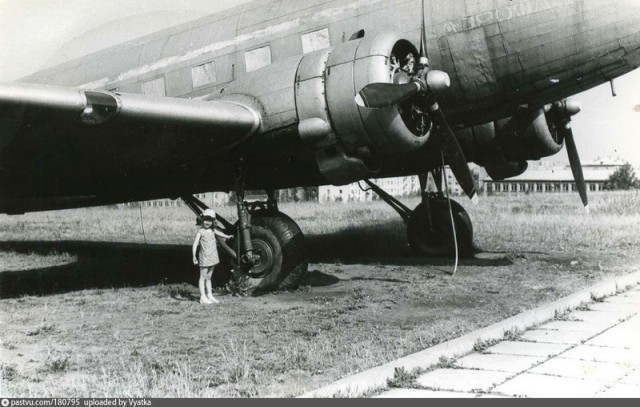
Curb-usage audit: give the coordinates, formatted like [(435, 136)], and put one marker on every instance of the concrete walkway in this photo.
[(584, 345)]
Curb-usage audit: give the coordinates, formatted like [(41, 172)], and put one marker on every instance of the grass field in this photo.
[(88, 309)]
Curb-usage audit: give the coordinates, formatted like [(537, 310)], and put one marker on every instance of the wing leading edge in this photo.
[(94, 108)]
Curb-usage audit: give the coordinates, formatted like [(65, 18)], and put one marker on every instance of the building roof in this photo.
[(605, 162), (598, 170), (559, 175)]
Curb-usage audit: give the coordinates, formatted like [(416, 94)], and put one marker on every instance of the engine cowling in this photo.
[(347, 140), (503, 147)]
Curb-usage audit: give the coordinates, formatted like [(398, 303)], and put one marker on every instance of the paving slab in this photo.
[(621, 336), (462, 379), (377, 377), (620, 391), (583, 369), (551, 336), (528, 348), (537, 385), (422, 394), (623, 299), (620, 307), (633, 293), (633, 322), (603, 354), (592, 327), (632, 378), (598, 316), (501, 363)]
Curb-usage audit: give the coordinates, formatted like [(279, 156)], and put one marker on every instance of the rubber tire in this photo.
[(440, 243), (286, 241)]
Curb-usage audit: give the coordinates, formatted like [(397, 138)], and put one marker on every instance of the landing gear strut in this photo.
[(268, 246), (429, 228)]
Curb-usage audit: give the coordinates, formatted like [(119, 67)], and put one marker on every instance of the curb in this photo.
[(375, 378)]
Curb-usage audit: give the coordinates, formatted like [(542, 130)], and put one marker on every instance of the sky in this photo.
[(35, 34)]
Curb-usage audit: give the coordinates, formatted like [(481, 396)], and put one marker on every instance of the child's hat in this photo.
[(209, 213)]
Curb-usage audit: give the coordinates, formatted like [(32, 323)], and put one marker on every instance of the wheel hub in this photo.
[(266, 258)]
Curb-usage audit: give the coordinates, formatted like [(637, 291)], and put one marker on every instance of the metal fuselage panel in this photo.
[(499, 54)]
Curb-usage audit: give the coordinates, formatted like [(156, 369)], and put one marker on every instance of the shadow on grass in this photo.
[(383, 243), (112, 265), (118, 265), (98, 265)]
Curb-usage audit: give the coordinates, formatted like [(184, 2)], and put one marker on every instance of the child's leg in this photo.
[(208, 283), (201, 284)]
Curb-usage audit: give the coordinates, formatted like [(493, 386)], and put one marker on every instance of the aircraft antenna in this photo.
[(144, 235), (453, 224)]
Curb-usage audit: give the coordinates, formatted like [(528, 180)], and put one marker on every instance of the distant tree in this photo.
[(623, 178)]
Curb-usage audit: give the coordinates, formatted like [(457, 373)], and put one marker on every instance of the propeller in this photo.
[(426, 84), (568, 108), (380, 95)]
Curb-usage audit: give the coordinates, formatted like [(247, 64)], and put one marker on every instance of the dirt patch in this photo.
[(346, 319)]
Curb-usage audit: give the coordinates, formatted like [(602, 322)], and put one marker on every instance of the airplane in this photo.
[(274, 94)]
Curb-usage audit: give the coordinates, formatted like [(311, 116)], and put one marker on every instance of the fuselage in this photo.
[(500, 55), (497, 53)]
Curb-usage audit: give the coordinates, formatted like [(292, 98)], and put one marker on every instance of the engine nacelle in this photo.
[(348, 139), (503, 147)]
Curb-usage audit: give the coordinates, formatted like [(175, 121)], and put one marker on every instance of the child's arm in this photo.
[(223, 243), (194, 248), (220, 233)]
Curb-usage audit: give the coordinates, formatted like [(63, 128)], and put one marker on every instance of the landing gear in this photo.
[(429, 228), (434, 237), (268, 247), (279, 256), (279, 242)]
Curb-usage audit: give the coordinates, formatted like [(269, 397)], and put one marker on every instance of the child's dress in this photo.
[(208, 255)]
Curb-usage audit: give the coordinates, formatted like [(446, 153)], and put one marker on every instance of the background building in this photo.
[(209, 198), (398, 187), (542, 177)]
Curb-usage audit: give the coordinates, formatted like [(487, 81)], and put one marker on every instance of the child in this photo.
[(208, 256)]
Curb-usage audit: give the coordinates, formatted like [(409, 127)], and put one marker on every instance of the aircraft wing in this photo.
[(119, 131)]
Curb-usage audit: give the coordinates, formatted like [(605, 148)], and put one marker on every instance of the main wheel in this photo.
[(279, 243), (438, 241)]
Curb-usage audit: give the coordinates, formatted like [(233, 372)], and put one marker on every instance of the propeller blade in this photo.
[(576, 167), (380, 95), (455, 155), (423, 36)]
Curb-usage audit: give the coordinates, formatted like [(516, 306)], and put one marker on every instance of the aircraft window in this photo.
[(203, 74), (315, 41), (257, 58), (154, 87)]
